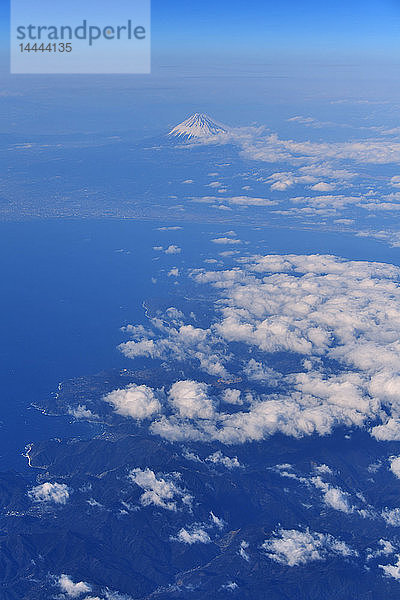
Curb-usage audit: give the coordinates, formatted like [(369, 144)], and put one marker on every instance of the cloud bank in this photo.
[(339, 319)]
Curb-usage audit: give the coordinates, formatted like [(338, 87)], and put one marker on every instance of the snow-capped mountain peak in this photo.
[(198, 125)]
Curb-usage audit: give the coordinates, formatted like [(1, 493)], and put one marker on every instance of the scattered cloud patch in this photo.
[(71, 589), (81, 412), (170, 227), (161, 491), (58, 493), (217, 521), (395, 181), (392, 516), (323, 469), (219, 459), (333, 497), (395, 466), (226, 240), (392, 570), (231, 586), (322, 186), (240, 201), (293, 548), (385, 549), (193, 535), (173, 250), (243, 550)]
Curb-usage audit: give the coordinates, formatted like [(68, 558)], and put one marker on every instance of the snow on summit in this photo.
[(198, 125)]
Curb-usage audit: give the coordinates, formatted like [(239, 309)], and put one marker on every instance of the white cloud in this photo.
[(292, 547), (73, 590), (173, 250), (344, 221), (136, 331), (144, 347), (190, 400), (231, 586), (232, 396), (50, 492), (389, 431), (395, 466), (333, 497), (367, 151), (234, 201), (328, 170), (322, 186), (136, 401), (112, 595), (395, 181), (193, 535), (328, 201), (215, 458), (259, 372), (386, 235), (171, 227), (94, 503), (179, 342), (219, 459), (385, 549), (392, 570), (162, 491), (392, 516), (215, 184), (328, 312), (192, 456), (226, 240), (174, 272), (228, 253), (217, 521), (81, 412), (248, 201), (242, 550), (319, 166), (311, 122), (323, 469), (282, 181)]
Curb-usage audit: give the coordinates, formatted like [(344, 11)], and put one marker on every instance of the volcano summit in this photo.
[(197, 126)]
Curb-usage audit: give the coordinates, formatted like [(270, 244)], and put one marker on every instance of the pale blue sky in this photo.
[(240, 61), (259, 29)]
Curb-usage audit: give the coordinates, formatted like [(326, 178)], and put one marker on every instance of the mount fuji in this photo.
[(197, 126)]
